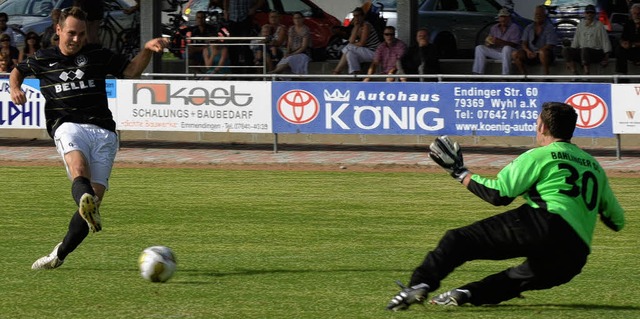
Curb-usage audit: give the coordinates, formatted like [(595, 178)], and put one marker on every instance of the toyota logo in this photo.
[(298, 106), (592, 110)]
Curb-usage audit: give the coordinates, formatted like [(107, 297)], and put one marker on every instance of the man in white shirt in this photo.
[(590, 43)]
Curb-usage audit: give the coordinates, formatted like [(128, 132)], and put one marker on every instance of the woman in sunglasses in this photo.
[(8, 49), (31, 45)]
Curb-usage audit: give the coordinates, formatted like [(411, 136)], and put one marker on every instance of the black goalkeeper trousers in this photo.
[(554, 254)]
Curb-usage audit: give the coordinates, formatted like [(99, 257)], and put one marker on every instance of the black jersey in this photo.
[(74, 86)]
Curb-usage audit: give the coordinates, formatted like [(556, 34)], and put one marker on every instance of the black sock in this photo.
[(79, 187), (78, 231)]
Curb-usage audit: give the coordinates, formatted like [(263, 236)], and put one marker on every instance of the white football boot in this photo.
[(49, 261)]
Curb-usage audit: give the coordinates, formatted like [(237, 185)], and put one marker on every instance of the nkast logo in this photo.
[(163, 93)]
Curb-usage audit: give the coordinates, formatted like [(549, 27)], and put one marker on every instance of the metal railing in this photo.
[(226, 41), (615, 78)]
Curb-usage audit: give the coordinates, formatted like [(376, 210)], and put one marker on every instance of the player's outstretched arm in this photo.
[(140, 61), (448, 155), (15, 86)]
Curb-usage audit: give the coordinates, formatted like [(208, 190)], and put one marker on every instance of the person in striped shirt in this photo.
[(363, 42)]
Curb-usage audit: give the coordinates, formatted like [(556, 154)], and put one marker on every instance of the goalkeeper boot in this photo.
[(408, 296), (455, 297), (49, 261), (88, 209)]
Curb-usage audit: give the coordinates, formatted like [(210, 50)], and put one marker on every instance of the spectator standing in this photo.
[(239, 14), (504, 37), (629, 47), (538, 40), (95, 14), (565, 192), (8, 49), (421, 57), (590, 43), (297, 58), (50, 31), (386, 59), (4, 28), (31, 45), (362, 45)]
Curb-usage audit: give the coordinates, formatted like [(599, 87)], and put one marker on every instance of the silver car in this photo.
[(35, 15)]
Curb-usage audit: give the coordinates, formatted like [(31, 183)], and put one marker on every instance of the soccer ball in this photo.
[(157, 263)]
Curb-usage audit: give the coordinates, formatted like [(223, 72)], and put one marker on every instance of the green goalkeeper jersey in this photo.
[(560, 178)]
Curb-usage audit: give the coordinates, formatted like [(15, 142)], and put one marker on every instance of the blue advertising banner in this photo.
[(465, 108)]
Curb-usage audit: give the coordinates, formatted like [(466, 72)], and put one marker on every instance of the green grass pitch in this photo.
[(275, 244)]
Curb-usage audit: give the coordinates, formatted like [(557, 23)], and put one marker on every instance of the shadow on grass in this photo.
[(256, 272)]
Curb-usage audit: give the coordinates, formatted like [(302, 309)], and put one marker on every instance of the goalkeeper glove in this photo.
[(448, 155)]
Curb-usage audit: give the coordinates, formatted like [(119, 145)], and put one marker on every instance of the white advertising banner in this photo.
[(200, 106), (625, 99)]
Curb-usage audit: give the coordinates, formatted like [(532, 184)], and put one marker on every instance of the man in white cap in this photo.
[(503, 39)]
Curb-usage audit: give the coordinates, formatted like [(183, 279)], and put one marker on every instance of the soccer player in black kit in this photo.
[(72, 80)]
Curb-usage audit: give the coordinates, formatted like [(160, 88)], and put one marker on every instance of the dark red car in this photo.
[(321, 24)]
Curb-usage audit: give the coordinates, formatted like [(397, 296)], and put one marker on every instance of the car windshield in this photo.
[(31, 8)]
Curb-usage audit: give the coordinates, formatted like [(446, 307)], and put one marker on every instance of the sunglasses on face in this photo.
[(388, 34), (4, 40)]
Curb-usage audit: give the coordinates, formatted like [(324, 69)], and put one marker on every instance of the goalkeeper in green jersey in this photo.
[(565, 190)]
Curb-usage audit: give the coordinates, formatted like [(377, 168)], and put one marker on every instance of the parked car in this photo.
[(35, 15), (566, 14), (319, 22), (456, 26)]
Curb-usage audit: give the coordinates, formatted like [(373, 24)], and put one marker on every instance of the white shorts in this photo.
[(99, 147)]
